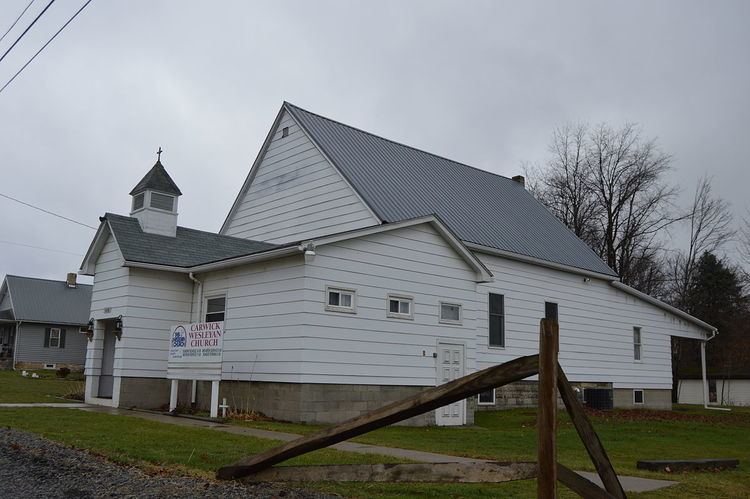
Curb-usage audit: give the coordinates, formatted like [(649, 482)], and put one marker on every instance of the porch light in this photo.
[(89, 331), (118, 327)]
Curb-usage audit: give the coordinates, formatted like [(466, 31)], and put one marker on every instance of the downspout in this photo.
[(194, 385), (200, 296), (705, 378), (15, 343)]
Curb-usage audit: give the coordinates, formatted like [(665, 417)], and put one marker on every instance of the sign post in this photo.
[(195, 353)]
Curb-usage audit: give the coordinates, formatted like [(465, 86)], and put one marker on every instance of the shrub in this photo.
[(63, 372)]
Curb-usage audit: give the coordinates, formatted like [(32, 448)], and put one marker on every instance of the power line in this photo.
[(16, 21), (47, 211), (27, 29), (45, 45), (39, 248)]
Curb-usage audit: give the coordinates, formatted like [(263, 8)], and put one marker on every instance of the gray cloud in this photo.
[(479, 82)]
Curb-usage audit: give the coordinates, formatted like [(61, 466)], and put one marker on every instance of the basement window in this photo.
[(340, 300), (450, 313), (162, 201), (486, 398), (400, 307), (638, 397), (216, 308), (637, 345)]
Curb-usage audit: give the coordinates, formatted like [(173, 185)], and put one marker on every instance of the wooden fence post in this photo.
[(547, 413)]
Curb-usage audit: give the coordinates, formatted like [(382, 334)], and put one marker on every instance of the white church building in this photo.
[(352, 271)]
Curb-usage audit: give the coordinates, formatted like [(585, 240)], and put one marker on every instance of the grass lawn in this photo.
[(505, 435), (132, 440), (627, 436), (14, 388)]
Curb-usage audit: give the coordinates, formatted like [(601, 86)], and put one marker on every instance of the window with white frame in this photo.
[(637, 345), (637, 397), (138, 201), (162, 201), (400, 307), (216, 308), (450, 313), (486, 398), (340, 300), (54, 337)]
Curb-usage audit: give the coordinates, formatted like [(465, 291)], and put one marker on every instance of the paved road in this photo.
[(33, 467)]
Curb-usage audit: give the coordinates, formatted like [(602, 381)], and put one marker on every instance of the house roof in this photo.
[(48, 301), (188, 248), (399, 182), (157, 179)]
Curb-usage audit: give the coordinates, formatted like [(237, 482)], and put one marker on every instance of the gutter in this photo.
[(705, 378), (15, 343), (664, 306)]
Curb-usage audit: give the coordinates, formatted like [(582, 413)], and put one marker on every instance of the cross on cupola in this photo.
[(158, 155)]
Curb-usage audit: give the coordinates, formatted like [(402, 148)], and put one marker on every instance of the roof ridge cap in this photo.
[(286, 103)]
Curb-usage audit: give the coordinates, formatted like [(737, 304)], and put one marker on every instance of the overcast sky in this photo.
[(483, 83)]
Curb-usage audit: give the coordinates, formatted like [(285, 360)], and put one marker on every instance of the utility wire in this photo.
[(47, 211), (27, 29), (45, 45), (39, 248), (16, 21)]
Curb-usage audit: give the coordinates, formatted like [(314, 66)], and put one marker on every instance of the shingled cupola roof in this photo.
[(157, 179)]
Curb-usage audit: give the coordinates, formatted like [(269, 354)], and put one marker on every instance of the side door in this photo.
[(450, 365)]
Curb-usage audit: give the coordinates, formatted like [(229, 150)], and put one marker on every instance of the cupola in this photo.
[(154, 201)]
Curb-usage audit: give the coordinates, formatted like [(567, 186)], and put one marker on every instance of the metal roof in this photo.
[(399, 182), (48, 301), (157, 179), (188, 248)]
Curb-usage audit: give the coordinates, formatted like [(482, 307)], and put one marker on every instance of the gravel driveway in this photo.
[(31, 467)]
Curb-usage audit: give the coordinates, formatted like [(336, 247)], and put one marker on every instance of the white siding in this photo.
[(368, 347), (155, 302), (296, 194), (150, 302), (596, 325), (263, 335), (109, 291)]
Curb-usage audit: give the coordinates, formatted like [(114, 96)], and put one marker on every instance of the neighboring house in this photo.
[(40, 323), (352, 271)]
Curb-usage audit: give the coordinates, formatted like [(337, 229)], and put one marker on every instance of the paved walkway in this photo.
[(629, 483)]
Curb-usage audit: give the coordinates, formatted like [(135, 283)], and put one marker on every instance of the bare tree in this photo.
[(607, 185), (744, 244), (710, 223)]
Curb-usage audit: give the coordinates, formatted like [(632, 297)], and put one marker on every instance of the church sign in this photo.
[(195, 350)]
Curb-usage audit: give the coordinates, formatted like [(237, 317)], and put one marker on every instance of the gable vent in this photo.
[(285, 132)]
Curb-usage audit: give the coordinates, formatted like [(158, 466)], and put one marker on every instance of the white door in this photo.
[(450, 366)]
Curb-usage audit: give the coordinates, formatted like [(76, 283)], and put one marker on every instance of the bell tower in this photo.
[(154, 201)]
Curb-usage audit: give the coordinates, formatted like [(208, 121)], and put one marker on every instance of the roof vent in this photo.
[(520, 180), (70, 281), (285, 132)]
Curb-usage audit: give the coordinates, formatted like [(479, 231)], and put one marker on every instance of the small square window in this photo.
[(340, 300), (400, 307), (216, 309), (637, 397), (486, 398), (450, 313)]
